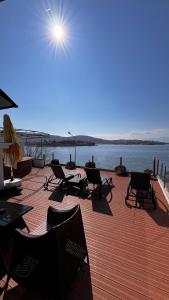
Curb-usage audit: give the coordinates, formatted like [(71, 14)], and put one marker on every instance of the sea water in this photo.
[(134, 157)]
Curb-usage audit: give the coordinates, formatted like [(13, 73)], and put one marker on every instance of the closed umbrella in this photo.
[(14, 153)]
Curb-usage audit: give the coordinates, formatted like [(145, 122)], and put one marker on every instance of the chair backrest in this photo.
[(58, 171), (140, 181), (32, 261), (47, 263), (93, 175), (72, 244), (57, 216)]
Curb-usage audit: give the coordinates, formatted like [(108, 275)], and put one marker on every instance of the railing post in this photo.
[(165, 169), (120, 161), (41, 145), (44, 158), (53, 156), (161, 171), (157, 167), (154, 167)]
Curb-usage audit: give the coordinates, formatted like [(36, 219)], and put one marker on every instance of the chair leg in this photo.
[(127, 196), (46, 184), (109, 181), (128, 191), (48, 180), (88, 259), (100, 191), (5, 287), (22, 224), (153, 198), (61, 185), (27, 227)]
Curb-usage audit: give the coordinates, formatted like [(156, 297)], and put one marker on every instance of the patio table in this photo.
[(11, 216), (77, 182)]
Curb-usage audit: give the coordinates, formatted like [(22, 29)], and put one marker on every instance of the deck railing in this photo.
[(162, 174)]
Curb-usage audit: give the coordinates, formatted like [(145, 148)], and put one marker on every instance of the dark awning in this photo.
[(5, 101)]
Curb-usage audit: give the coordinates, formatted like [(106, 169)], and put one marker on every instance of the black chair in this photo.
[(47, 263), (58, 177), (98, 181), (140, 187), (2, 268), (3, 272), (78, 184)]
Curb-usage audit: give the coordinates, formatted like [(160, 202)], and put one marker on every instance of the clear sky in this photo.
[(111, 78)]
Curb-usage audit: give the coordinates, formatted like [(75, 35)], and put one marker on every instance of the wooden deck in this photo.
[(128, 247)]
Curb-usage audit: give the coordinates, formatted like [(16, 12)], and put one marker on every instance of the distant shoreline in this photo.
[(93, 144), (36, 139)]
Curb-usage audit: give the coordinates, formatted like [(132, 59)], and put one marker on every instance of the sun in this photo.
[(58, 33), (58, 29)]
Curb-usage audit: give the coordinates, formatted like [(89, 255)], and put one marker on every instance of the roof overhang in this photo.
[(5, 101)]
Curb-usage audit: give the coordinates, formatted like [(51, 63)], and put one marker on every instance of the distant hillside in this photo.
[(81, 140), (90, 139)]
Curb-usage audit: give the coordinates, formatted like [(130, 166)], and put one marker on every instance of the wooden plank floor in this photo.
[(128, 247)]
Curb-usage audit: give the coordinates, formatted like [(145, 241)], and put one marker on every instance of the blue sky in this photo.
[(110, 80)]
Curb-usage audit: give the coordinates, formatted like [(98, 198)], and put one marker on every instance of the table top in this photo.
[(77, 181), (10, 212)]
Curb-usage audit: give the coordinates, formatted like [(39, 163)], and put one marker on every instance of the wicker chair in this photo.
[(47, 263), (58, 177), (93, 176), (2, 268), (140, 187)]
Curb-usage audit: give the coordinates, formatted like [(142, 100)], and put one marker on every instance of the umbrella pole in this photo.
[(12, 175)]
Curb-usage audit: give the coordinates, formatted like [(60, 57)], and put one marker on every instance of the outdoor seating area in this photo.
[(122, 251), (140, 187), (65, 181), (98, 181), (58, 177)]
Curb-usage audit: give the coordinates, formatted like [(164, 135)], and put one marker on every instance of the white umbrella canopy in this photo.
[(14, 153)]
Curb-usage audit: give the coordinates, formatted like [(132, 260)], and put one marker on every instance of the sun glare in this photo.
[(57, 22), (57, 29), (58, 33)]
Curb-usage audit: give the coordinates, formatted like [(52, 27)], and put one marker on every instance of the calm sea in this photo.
[(135, 157)]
